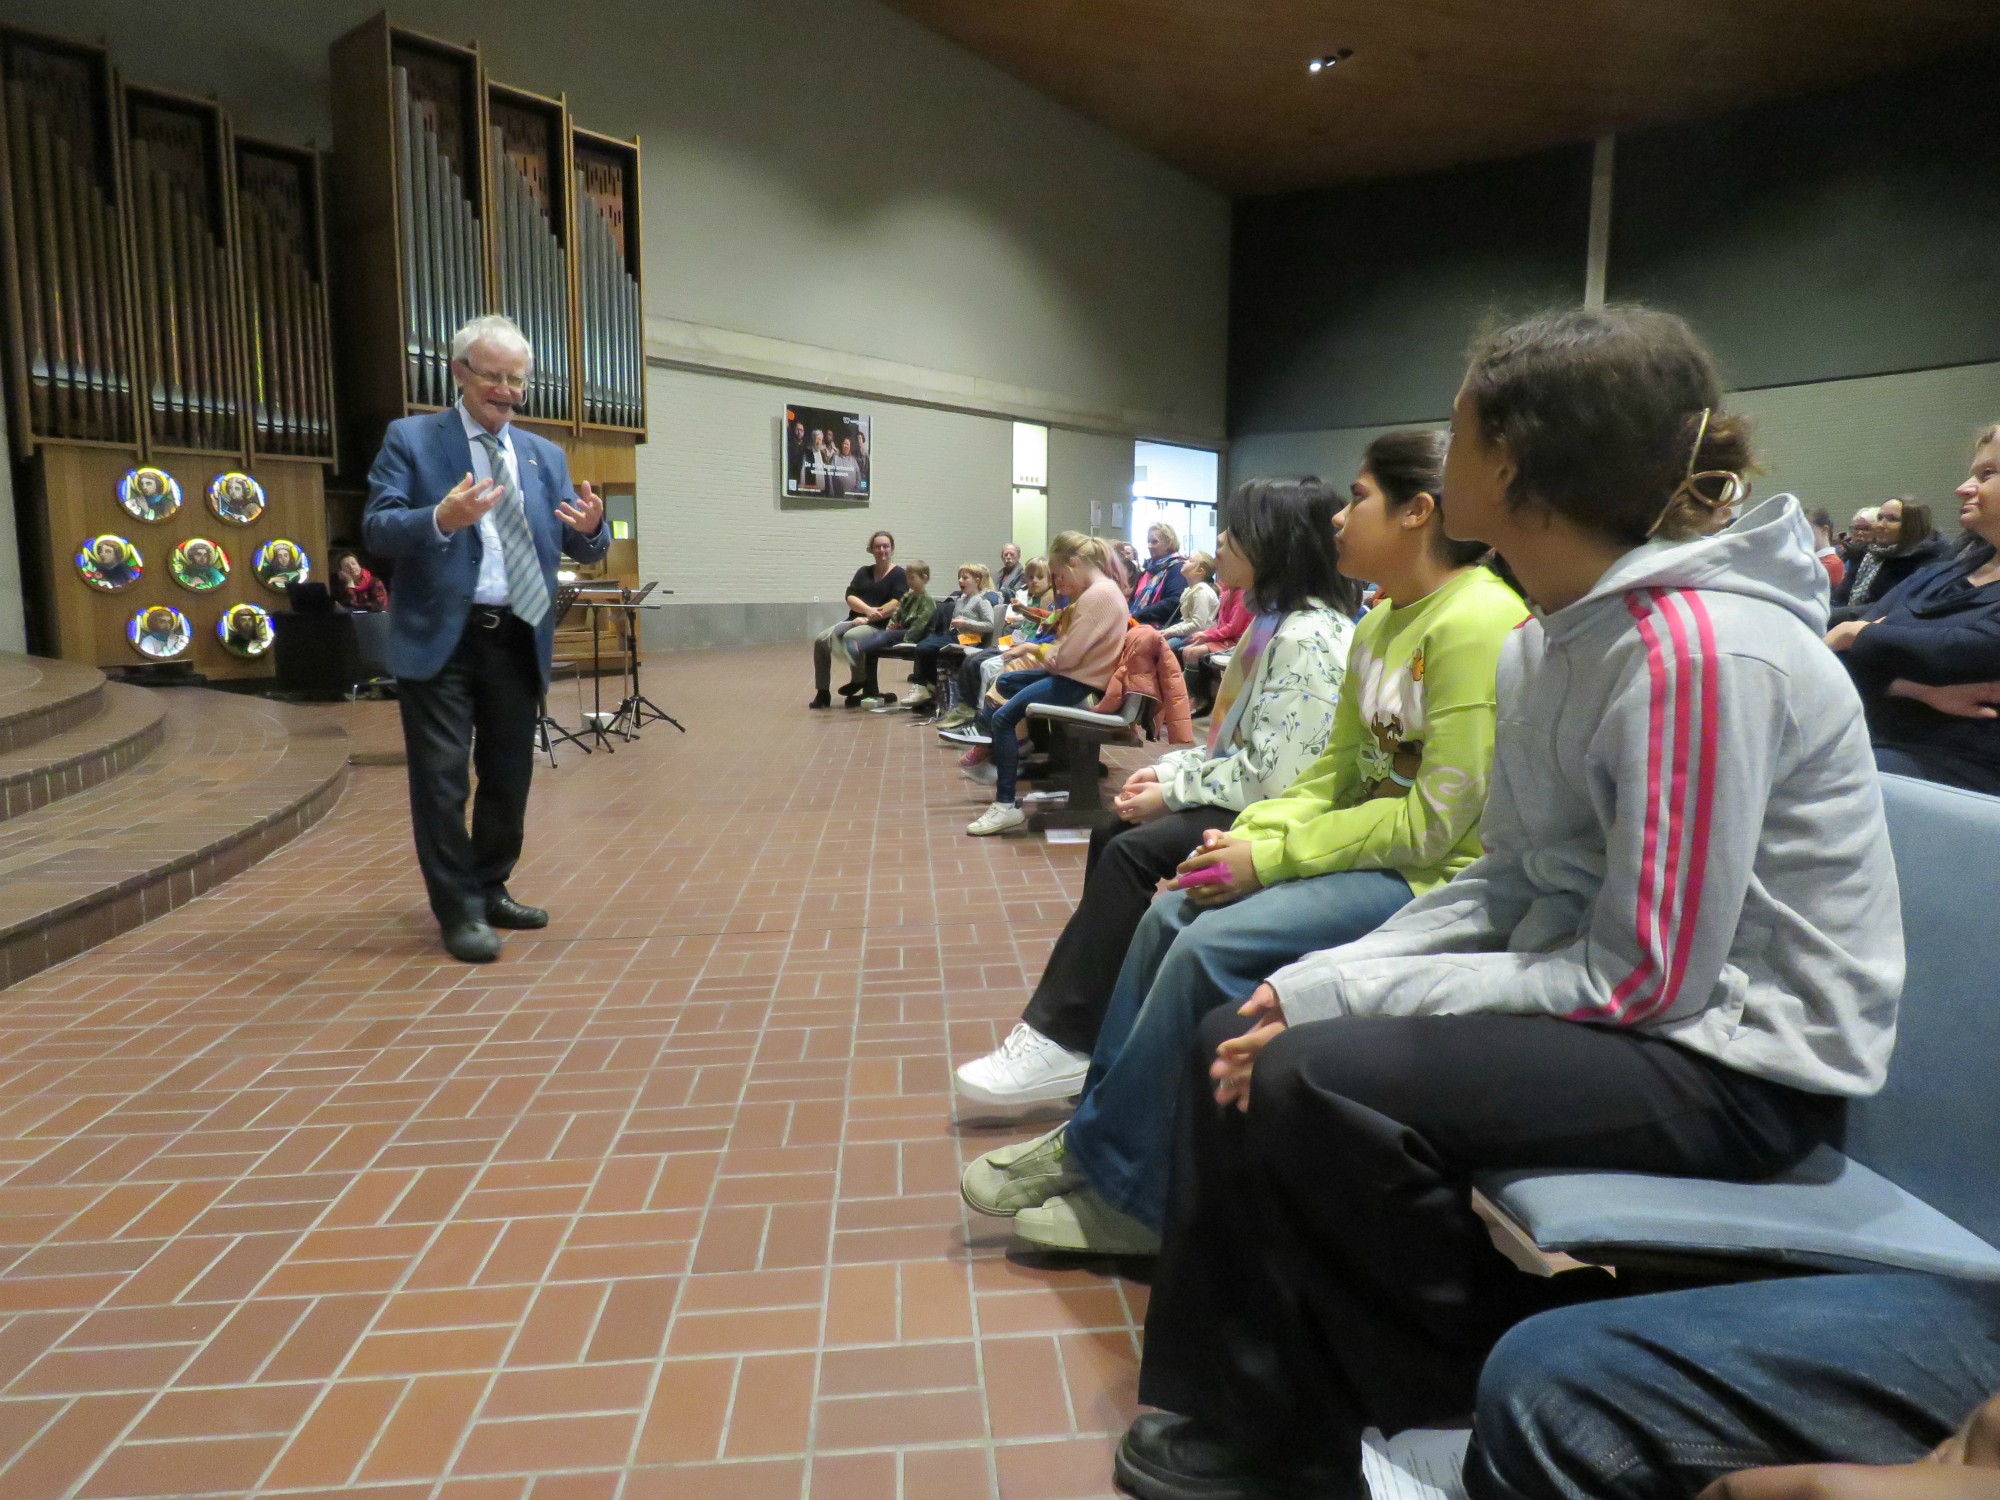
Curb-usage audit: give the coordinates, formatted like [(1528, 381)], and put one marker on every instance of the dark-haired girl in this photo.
[(1939, 629), (1679, 953), (1277, 709), (1392, 807)]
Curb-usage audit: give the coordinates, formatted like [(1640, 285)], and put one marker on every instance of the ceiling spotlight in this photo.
[(1321, 64)]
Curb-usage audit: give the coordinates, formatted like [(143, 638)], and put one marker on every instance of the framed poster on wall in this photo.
[(826, 455)]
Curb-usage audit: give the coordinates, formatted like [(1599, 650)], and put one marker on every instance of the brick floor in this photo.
[(663, 1204)]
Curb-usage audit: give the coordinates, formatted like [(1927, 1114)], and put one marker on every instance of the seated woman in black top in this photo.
[(1940, 627), (1903, 541), (871, 598)]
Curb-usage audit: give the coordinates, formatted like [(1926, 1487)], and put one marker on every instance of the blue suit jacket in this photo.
[(422, 458)]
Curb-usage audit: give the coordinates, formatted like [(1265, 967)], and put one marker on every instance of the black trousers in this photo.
[(483, 708), (1323, 1269), (1125, 866)]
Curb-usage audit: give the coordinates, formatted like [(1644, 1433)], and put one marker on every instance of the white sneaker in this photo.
[(998, 817), (984, 773), (920, 696), (1027, 1068)]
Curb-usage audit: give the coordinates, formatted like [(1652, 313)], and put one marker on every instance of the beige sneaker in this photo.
[(1002, 1183), (1080, 1222), (999, 816)]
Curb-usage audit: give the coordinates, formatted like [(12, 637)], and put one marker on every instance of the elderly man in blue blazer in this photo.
[(475, 513)]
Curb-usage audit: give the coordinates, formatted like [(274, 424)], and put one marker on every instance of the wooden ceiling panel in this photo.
[(1220, 88)]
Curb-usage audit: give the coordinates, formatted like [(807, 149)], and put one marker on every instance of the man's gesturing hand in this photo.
[(467, 504), (583, 513)]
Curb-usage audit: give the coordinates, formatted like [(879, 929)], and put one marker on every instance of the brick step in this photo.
[(232, 778), (40, 698), (131, 726)]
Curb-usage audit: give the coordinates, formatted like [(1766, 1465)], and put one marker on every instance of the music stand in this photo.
[(594, 722), (637, 707), (547, 728)]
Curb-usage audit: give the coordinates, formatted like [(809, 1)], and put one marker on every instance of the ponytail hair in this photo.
[(1073, 546)]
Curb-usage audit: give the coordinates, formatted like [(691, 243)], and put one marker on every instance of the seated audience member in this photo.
[(1676, 955), (1079, 664), (354, 587), (1940, 628), (1829, 555), (871, 598), (1199, 602), (912, 612), (1231, 620), (963, 618), (1858, 538), (1124, 568), (1011, 575), (1030, 619), (1749, 1392), (1904, 541), (1392, 807), (1156, 592), (1277, 711)]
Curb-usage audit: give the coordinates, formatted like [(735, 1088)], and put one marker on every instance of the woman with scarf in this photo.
[(1156, 594), (1904, 541)]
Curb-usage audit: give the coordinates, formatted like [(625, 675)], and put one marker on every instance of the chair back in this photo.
[(1935, 1127), (371, 646)]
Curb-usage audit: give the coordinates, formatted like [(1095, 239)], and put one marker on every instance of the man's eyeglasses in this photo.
[(490, 377)]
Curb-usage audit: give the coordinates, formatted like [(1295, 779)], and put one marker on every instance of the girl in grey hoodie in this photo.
[(1679, 953)]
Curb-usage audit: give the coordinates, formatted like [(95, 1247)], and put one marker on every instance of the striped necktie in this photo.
[(527, 590)]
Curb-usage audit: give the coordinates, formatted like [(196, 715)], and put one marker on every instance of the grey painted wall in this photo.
[(836, 200), (1352, 306), (824, 173), (1844, 234), (1838, 443), (1839, 252)]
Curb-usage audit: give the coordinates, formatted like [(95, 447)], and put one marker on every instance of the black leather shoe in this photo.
[(1168, 1457), (821, 700), (472, 942), (504, 911)]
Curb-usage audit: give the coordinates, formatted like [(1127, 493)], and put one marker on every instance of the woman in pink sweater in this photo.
[(1081, 663)]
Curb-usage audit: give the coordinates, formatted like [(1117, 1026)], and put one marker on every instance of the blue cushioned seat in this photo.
[(1919, 1187)]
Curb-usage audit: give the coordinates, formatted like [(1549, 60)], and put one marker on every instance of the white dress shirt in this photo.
[(492, 585)]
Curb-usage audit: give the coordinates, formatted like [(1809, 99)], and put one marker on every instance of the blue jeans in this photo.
[(1647, 1398), (1022, 689), (1183, 963)]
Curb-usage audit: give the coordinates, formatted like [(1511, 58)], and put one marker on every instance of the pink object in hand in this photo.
[(1207, 875)]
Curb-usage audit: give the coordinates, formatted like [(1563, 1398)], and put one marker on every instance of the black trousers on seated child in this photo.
[(1323, 1270), (924, 670), (1127, 862)]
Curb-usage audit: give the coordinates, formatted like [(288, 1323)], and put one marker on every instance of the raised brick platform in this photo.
[(149, 799)]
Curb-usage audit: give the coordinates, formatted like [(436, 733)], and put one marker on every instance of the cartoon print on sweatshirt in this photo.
[(1392, 706)]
